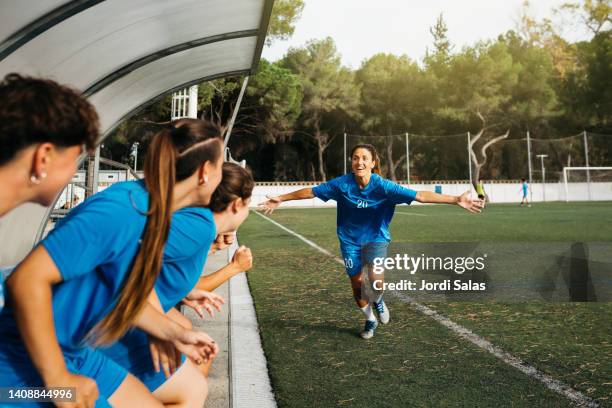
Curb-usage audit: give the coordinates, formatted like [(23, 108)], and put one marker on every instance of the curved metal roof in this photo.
[(123, 55)]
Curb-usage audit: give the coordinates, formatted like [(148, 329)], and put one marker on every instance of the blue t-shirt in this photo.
[(525, 188), (93, 248), (192, 232), (364, 215)]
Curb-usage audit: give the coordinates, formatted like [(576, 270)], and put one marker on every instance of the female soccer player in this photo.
[(88, 281), (366, 203), (43, 128), (193, 231)]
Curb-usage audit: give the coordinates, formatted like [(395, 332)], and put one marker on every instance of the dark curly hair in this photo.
[(35, 110)]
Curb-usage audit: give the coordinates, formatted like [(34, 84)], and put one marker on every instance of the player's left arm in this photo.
[(465, 200)]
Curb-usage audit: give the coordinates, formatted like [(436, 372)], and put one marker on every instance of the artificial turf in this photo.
[(309, 322)]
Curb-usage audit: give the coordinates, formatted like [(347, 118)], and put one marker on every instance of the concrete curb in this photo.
[(250, 383)]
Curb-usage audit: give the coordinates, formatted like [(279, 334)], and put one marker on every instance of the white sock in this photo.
[(367, 311), (379, 298)]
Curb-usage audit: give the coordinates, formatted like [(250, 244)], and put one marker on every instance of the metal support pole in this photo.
[(565, 184), (235, 113), (586, 161), (543, 181), (529, 167), (96, 171), (542, 157), (407, 158), (345, 156), (469, 147)]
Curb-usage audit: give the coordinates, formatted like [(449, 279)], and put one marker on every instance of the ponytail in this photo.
[(184, 148), (159, 168)]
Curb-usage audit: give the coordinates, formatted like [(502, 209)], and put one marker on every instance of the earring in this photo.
[(34, 179), (205, 178)]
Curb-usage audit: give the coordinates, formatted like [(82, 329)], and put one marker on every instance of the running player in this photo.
[(366, 203)]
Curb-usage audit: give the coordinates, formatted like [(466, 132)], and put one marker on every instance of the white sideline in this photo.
[(412, 214), (557, 386)]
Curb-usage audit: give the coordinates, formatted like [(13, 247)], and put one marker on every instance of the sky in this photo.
[(362, 28)]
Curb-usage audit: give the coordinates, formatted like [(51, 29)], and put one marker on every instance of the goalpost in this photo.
[(585, 170)]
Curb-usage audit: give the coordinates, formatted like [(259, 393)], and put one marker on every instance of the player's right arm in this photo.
[(272, 203), (30, 287)]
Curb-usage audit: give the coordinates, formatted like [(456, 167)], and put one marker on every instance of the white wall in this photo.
[(497, 192)]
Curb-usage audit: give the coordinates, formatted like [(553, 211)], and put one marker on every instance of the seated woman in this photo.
[(193, 230), (88, 281), (43, 128)]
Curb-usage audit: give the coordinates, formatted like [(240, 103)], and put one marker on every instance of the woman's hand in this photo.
[(270, 205), (164, 355), (243, 259), (198, 346), (198, 299), (85, 390), (473, 205)]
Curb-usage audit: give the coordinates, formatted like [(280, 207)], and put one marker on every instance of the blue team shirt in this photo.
[(525, 188), (192, 232), (364, 215), (93, 248)]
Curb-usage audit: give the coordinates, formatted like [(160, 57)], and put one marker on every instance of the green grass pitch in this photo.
[(309, 322)]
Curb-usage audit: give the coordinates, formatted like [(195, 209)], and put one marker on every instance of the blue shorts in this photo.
[(356, 257), (18, 371), (132, 352)]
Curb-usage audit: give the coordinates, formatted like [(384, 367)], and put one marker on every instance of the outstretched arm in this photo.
[(273, 202), (464, 200), (241, 262)]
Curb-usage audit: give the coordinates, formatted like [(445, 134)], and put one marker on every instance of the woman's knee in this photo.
[(187, 388)]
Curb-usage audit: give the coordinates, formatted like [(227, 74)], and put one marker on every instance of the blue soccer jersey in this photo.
[(192, 232), (364, 215), (93, 248)]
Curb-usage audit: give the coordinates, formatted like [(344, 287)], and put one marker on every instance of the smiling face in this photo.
[(362, 162)]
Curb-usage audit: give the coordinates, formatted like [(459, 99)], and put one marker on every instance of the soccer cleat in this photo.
[(383, 311), (368, 330)]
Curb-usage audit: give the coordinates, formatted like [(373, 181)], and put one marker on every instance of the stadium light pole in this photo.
[(586, 161), (542, 157), (135, 154)]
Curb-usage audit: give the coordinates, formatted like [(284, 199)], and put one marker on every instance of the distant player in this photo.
[(480, 189), (525, 189), (366, 203)]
